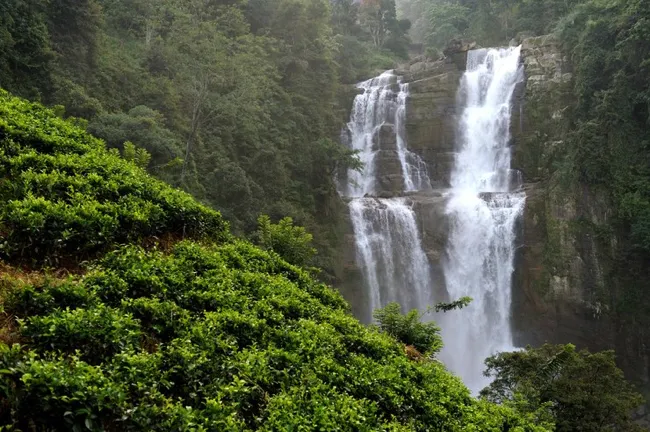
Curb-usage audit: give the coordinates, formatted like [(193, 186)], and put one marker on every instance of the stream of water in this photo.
[(387, 239), (484, 206), (484, 203)]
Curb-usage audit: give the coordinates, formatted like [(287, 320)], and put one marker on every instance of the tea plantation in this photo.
[(127, 306)]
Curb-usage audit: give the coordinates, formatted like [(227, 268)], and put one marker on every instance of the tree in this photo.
[(583, 391), (74, 27), (142, 126), (379, 19), (411, 330), (25, 53), (447, 20), (345, 14)]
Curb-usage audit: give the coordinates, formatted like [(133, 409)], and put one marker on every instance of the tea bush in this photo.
[(64, 196), (222, 337)]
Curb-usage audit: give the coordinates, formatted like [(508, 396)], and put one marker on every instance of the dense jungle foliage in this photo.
[(610, 143), (187, 328), (489, 22), (238, 102), (581, 391)]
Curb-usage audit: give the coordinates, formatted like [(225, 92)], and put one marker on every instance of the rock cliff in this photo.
[(559, 289), (564, 287)]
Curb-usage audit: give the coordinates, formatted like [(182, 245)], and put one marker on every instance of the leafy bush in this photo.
[(55, 393), (265, 347), (98, 332), (43, 298), (409, 329), (63, 196), (293, 243), (582, 391)]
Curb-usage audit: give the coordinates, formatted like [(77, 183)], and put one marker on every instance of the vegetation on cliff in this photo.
[(490, 22), (580, 390), (183, 327), (610, 142)]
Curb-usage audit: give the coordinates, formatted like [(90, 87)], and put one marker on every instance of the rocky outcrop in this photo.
[(387, 164), (457, 49), (431, 115), (429, 209)]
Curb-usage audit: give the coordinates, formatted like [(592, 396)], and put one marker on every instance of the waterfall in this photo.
[(485, 204), (388, 245), (389, 252), (377, 130)]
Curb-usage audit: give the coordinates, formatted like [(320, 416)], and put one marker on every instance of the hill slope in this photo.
[(206, 333)]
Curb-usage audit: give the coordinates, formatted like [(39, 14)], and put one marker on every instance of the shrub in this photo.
[(409, 329), (292, 243), (227, 337), (42, 299), (56, 393), (97, 333), (64, 196)]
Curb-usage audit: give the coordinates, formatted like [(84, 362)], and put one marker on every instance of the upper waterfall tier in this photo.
[(483, 161), (377, 131)]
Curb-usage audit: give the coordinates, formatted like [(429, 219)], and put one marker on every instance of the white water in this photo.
[(383, 102), (388, 245), (483, 209), (389, 252)]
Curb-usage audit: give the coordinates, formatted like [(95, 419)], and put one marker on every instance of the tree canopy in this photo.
[(582, 391)]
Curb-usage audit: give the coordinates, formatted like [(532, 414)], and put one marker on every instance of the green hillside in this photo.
[(171, 324)]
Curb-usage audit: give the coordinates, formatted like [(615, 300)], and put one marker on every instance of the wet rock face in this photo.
[(434, 230), (390, 180), (431, 116)]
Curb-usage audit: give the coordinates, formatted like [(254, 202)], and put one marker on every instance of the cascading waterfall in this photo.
[(389, 249), (483, 208), (383, 102)]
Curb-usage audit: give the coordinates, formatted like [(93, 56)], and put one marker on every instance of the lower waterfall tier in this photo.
[(390, 254), (480, 263)]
